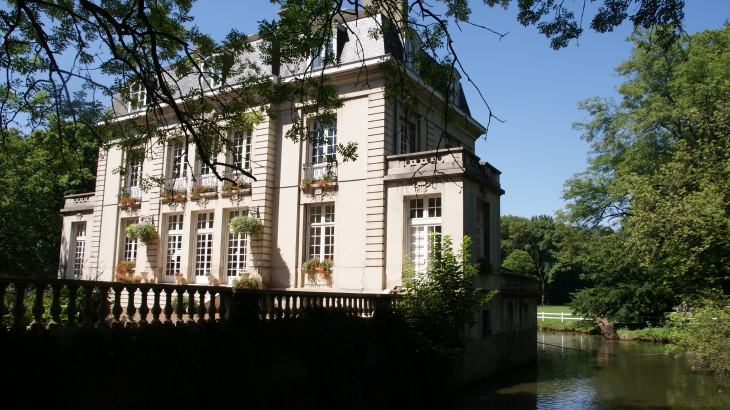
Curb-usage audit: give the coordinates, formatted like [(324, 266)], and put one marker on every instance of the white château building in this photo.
[(410, 179)]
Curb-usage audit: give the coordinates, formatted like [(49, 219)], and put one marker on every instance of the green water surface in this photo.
[(575, 371)]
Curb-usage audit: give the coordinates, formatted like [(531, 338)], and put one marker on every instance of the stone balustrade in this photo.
[(442, 162), (78, 202), (105, 305)]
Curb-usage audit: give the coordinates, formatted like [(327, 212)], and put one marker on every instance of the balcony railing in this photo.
[(78, 202), (204, 183), (319, 172), (176, 183), (133, 191), (239, 177), (164, 304)]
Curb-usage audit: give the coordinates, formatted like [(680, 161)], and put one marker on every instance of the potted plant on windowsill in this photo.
[(201, 190), (306, 183), (174, 194), (248, 225), (126, 200), (125, 268), (145, 233), (314, 270), (230, 188)]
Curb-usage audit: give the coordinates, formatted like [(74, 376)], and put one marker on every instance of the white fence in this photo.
[(562, 316)]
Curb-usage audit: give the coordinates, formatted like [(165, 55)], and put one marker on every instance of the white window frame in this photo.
[(173, 246), (212, 78), (205, 175), (129, 247), (321, 231), (409, 51), (423, 218), (236, 248), (204, 237), (319, 55), (406, 136), (78, 231), (240, 155), (134, 177), (178, 165), (319, 152), (137, 97)]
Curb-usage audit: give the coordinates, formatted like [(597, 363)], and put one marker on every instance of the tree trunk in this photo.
[(543, 290), (606, 328)]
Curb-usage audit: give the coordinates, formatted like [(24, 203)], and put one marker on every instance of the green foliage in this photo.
[(141, 231), (658, 172), (247, 225), (704, 334), (439, 302), (37, 171), (539, 237), (520, 261)]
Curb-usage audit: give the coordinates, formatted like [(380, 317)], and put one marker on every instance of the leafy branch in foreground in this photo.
[(704, 334), (440, 302)]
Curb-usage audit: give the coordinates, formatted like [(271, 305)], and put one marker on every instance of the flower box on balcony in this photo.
[(128, 201), (235, 191), (174, 194), (195, 197)]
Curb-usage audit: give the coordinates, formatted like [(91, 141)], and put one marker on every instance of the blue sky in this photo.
[(533, 88)]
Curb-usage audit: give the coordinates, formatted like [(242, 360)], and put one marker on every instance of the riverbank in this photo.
[(652, 334), (547, 320)]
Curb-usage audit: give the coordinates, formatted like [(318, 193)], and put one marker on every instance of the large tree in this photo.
[(659, 171), (36, 175), (539, 238)]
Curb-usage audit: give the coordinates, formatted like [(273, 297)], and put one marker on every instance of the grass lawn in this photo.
[(555, 309)]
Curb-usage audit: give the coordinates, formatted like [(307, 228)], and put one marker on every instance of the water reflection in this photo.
[(588, 372)]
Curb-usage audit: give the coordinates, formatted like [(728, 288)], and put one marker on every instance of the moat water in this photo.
[(575, 371)]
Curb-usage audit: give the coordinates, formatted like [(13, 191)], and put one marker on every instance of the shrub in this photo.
[(438, 302), (705, 334)]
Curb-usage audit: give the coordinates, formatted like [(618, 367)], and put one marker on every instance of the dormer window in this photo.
[(211, 73), (325, 56), (137, 97), (409, 54)]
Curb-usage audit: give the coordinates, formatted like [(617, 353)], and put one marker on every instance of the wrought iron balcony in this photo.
[(320, 172), (204, 183), (133, 192), (175, 188)]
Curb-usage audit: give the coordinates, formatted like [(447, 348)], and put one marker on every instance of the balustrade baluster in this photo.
[(88, 308), (143, 309), (131, 309), (222, 310), (201, 307), (279, 309), (3, 308), (169, 309), (287, 307), (156, 309), (38, 309), (191, 307), (71, 309), (179, 309), (55, 309), (103, 310), (270, 311), (212, 309), (18, 309), (117, 309)]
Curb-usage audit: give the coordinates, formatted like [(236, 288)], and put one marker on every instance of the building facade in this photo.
[(412, 178)]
